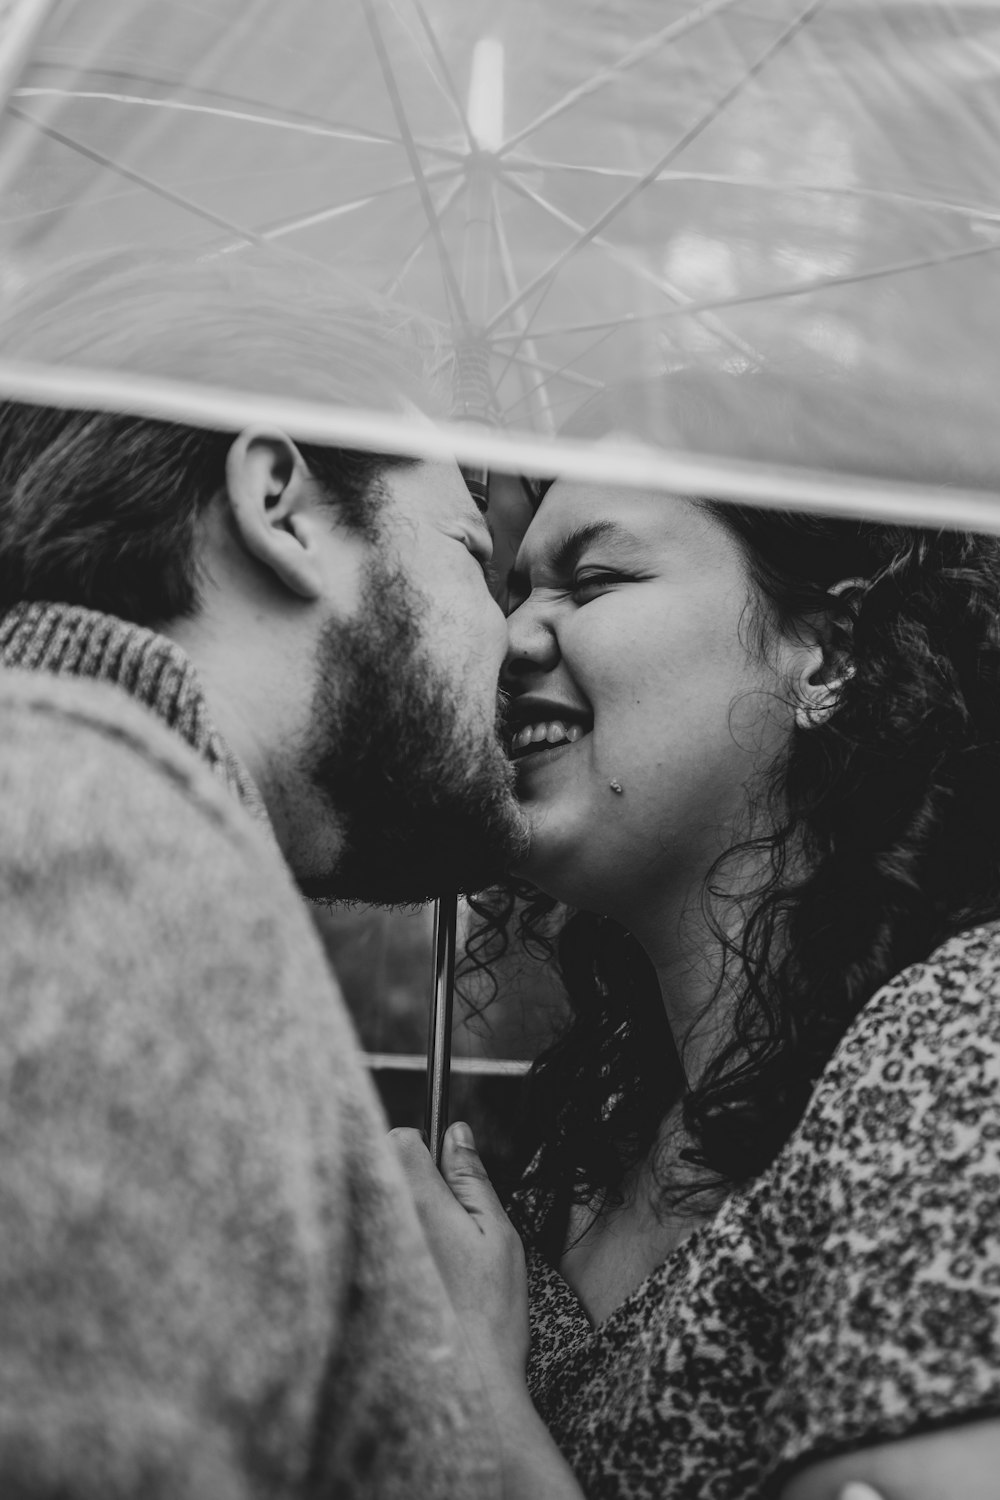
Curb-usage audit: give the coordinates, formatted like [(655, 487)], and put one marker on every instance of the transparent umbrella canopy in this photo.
[(584, 197), (581, 194)]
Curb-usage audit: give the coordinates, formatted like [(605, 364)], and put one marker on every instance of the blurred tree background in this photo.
[(382, 960)]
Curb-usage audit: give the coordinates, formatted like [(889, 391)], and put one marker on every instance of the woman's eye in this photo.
[(586, 586)]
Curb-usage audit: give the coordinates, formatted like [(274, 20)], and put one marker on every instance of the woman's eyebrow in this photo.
[(571, 548)]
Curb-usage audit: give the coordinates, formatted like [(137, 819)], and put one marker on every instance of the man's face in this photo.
[(404, 741)]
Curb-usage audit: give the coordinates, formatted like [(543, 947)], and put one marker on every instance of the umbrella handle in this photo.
[(440, 1024)]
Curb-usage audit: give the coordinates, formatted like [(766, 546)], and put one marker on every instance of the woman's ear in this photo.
[(827, 663), (269, 496)]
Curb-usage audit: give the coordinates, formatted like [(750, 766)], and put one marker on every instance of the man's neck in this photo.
[(258, 673)]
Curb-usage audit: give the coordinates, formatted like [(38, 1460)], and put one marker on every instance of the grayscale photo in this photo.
[(500, 750)]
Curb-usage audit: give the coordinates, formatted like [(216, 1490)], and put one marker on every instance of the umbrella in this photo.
[(582, 196), (576, 192)]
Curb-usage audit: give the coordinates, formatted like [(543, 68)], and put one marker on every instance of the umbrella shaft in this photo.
[(439, 1040)]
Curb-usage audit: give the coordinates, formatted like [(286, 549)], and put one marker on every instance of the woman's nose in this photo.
[(532, 644)]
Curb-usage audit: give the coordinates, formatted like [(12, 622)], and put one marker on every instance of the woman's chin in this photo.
[(557, 874), (537, 870)]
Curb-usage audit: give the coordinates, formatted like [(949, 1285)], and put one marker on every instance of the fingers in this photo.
[(428, 1189), (410, 1146), (477, 1250), (466, 1176), (462, 1182)]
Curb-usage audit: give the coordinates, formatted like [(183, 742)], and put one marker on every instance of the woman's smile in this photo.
[(535, 738), (539, 728), (538, 757)]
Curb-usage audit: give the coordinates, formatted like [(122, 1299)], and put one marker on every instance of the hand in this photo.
[(477, 1250), (481, 1261)]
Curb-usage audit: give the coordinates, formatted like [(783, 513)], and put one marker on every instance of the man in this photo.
[(224, 644)]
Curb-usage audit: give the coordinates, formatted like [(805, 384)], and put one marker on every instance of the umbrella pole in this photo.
[(440, 1025), (473, 399)]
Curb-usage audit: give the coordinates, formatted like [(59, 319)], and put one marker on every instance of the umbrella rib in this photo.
[(642, 272), (392, 286), (14, 149), (839, 190), (290, 115), (152, 128), (133, 176), (510, 282), (33, 215), (278, 228), (585, 382), (242, 117), (153, 124), (442, 62), (729, 179), (406, 22), (746, 299), (573, 400), (678, 146), (819, 284), (673, 32), (565, 371), (416, 166), (22, 25), (520, 163)]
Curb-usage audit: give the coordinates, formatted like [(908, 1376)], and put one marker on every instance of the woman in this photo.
[(761, 758)]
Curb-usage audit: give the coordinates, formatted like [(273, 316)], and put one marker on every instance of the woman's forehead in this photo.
[(651, 518)]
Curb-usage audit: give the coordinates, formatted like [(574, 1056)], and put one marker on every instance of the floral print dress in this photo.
[(850, 1295)]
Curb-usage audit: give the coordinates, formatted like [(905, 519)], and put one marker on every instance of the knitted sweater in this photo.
[(212, 1283)]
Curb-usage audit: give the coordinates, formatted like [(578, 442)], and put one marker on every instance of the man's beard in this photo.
[(425, 805)]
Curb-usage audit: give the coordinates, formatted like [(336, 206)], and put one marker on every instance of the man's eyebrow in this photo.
[(474, 518), (571, 548), (483, 523)]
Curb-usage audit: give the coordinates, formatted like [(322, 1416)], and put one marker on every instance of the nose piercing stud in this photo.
[(616, 787)]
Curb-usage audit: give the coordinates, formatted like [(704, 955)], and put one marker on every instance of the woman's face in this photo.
[(633, 664)]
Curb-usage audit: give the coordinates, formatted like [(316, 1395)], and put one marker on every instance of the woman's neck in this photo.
[(685, 946), (687, 958)]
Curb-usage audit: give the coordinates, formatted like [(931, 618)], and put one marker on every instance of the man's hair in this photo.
[(101, 508)]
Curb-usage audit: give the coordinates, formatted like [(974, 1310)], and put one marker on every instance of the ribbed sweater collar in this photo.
[(75, 642)]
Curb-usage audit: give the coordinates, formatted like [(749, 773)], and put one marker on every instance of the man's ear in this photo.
[(826, 664), (269, 496)]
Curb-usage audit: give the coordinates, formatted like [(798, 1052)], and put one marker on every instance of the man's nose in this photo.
[(533, 644)]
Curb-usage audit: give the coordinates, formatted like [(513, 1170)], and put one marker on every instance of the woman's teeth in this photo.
[(554, 731)]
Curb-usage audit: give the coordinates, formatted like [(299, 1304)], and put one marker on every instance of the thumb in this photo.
[(465, 1174)]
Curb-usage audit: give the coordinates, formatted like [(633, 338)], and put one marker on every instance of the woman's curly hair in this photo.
[(884, 840)]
